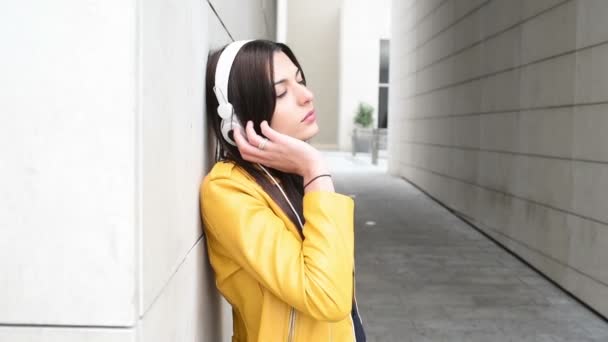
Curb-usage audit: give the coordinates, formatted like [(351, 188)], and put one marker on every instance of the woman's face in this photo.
[(294, 113)]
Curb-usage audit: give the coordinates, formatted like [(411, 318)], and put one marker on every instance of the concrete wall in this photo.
[(312, 34), (360, 60), (103, 144), (498, 109)]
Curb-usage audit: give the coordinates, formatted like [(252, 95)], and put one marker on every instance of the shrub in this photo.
[(364, 116)]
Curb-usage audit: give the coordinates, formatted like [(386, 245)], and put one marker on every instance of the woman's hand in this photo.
[(280, 152)]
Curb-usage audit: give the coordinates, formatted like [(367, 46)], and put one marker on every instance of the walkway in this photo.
[(425, 275)]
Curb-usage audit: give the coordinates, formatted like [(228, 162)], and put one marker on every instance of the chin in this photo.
[(310, 132)]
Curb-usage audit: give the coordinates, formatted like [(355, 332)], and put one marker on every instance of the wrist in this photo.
[(315, 178), (313, 171)]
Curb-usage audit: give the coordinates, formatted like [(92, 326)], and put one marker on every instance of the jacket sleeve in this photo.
[(315, 276)]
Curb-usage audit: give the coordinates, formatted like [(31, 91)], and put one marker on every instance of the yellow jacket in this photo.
[(281, 288)]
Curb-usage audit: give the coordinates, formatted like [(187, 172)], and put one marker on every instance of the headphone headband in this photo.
[(222, 71), (222, 74)]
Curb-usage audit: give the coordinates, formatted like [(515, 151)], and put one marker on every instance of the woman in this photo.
[(280, 240)]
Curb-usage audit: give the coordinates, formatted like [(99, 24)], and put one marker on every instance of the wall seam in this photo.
[(68, 326), (220, 19), (538, 251), (516, 68), (162, 289), (507, 111), (424, 17), (454, 23), (489, 37), (531, 155), (504, 193)]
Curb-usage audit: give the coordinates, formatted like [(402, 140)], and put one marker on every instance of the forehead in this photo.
[(283, 66)]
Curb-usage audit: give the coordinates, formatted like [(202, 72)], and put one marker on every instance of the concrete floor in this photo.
[(424, 275)]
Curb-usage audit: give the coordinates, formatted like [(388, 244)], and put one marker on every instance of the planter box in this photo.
[(362, 140)]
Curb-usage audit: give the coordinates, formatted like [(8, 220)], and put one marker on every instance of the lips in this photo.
[(312, 112)]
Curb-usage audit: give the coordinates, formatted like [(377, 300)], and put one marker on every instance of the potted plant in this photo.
[(362, 134), (364, 115)]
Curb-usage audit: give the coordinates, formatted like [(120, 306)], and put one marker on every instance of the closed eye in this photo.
[(302, 82)]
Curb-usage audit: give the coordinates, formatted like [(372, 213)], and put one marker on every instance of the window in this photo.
[(383, 84)]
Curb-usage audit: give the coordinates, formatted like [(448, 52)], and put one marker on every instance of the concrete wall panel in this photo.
[(68, 206), (513, 94)]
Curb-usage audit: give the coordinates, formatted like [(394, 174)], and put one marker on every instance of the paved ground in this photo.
[(343, 162), (424, 275)]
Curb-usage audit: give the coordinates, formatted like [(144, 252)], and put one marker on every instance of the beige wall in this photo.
[(359, 62), (498, 109), (312, 33)]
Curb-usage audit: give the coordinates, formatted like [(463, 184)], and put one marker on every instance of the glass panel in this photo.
[(384, 56), (382, 107)]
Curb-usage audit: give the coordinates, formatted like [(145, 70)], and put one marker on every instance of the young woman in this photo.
[(280, 239)]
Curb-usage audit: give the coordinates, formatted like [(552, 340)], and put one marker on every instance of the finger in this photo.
[(254, 138), (243, 143), (247, 150), (270, 133), (239, 138)]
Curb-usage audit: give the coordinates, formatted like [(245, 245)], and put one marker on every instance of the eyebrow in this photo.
[(299, 71)]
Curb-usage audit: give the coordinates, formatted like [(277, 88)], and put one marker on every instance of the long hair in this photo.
[(251, 93)]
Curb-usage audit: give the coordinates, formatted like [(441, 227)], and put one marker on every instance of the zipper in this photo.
[(292, 325)]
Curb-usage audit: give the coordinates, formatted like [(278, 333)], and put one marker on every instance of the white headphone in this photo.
[(222, 72), (226, 111)]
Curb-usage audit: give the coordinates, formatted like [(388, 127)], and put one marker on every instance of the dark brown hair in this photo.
[(251, 93)]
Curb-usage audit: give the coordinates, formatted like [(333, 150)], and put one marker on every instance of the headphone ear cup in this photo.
[(227, 126), (224, 110)]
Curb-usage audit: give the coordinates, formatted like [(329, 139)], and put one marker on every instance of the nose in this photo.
[(304, 94)]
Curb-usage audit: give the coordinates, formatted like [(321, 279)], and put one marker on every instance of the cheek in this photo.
[(283, 121), (277, 121)]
